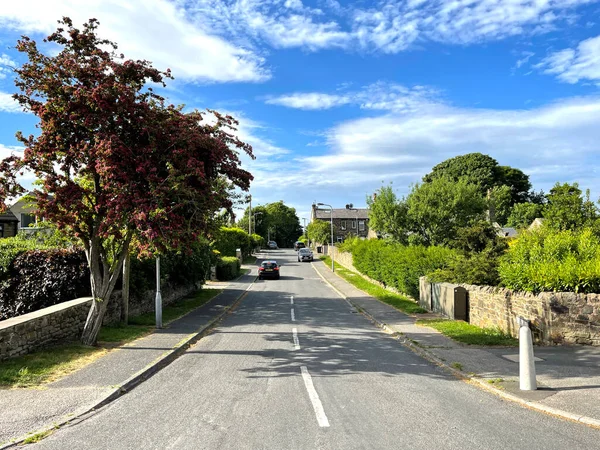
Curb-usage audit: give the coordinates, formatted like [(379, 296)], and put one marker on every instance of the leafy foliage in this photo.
[(522, 214), (553, 260), (438, 209), (484, 171), (228, 268), (227, 240), (319, 231), (396, 265), (567, 209), (388, 215), (116, 163), (40, 278)]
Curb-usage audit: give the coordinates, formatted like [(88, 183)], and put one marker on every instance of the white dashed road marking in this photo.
[(293, 315), (296, 341), (314, 398)]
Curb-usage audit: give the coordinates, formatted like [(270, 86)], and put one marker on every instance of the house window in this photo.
[(343, 225), (361, 225), (354, 224), (27, 220), (340, 238), (1, 230)]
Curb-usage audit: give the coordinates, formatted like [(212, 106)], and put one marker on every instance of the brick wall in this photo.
[(556, 317), (64, 322)]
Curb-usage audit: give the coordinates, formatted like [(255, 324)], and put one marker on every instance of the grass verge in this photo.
[(469, 334), (47, 365), (177, 309), (398, 301), (53, 363)]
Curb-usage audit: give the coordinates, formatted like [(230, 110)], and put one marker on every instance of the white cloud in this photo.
[(574, 65), (311, 100), (6, 66), (156, 30), (402, 147), (525, 57), (376, 96), (8, 104), (390, 26)]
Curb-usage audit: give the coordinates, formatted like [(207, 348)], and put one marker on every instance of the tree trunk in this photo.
[(103, 277), (94, 321)]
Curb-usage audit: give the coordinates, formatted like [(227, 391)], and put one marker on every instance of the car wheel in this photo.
[(277, 277)]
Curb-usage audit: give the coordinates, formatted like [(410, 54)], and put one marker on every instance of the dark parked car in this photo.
[(305, 254), (268, 269), (298, 245)]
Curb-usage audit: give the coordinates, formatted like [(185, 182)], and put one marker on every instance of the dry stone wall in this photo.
[(556, 317), (64, 322)]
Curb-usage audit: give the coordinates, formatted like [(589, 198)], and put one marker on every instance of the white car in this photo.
[(305, 254)]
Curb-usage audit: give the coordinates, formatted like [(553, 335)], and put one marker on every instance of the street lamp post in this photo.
[(331, 220)]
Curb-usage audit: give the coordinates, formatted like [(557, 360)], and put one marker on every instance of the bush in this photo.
[(176, 269), (230, 239), (396, 265), (228, 268), (257, 241), (41, 278), (551, 260), (476, 262)]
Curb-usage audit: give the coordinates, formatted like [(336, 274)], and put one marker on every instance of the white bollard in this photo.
[(527, 381)]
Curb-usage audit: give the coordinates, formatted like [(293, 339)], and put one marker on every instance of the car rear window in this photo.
[(268, 265)]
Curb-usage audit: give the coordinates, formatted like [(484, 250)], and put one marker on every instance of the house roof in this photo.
[(342, 213), (507, 232), (8, 216)]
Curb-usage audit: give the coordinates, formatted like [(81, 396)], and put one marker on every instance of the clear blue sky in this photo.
[(337, 97)]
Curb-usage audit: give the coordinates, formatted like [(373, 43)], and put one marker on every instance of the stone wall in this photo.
[(65, 321), (556, 317), (344, 258)]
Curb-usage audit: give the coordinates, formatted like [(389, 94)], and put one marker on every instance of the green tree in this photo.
[(319, 231), (484, 171), (276, 221), (567, 209), (388, 215), (499, 200), (436, 210), (522, 214)]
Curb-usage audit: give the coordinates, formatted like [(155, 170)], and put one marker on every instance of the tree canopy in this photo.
[(115, 162), (388, 215), (275, 220), (484, 171)]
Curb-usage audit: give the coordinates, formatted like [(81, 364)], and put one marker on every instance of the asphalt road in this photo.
[(295, 367)]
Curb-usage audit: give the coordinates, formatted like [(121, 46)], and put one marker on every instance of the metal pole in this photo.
[(250, 217), (527, 381), (158, 302), (332, 253)]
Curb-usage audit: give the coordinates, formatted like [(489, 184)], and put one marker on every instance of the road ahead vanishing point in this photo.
[(296, 367)]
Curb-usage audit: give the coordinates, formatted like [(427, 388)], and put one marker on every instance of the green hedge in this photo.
[(228, 268), (34, 275), (396, 265), (548, 260), (228, 240)]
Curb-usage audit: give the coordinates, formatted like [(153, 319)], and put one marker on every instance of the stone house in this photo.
[(346, 222), (9, 224)]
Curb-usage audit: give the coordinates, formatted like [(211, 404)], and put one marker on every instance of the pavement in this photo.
[(112, 375), (568, 377)]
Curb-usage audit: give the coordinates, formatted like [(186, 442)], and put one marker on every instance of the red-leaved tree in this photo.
[(115, 163)]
